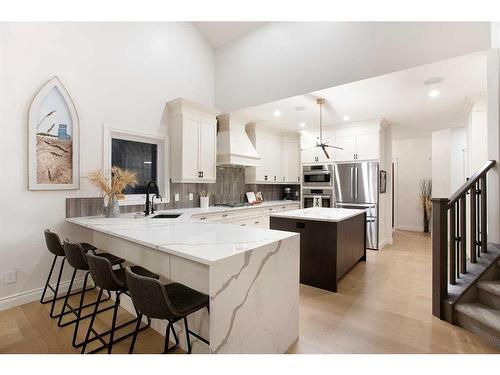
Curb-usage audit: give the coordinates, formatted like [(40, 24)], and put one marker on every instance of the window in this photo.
[(143, 153), (138, 157)]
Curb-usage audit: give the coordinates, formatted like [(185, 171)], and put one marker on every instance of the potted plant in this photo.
[(425, 200), (112, 191)]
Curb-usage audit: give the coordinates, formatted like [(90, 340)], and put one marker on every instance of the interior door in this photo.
[(343, 182), (207, 155), (190, 149)]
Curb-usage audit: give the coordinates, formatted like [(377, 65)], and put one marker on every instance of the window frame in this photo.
[(162, 162)]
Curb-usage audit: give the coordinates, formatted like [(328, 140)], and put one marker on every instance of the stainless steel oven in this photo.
[(317, 198), (317, 175)]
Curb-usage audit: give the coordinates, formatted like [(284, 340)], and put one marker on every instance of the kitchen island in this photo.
[(332, 241), (250, 274)]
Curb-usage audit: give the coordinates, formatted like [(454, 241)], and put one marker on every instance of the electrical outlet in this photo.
[(176, 197), (190, 196), (10, 277)]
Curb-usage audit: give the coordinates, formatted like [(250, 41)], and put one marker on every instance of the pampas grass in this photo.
[(120, 179)]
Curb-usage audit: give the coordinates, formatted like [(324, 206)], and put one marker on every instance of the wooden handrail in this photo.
[(470, 182)]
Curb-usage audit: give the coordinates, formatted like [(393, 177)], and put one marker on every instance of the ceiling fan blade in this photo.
[(335, 147), (308, 148), (324, 150)]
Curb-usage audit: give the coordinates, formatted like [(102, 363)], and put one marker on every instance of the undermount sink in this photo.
[(166, 216)]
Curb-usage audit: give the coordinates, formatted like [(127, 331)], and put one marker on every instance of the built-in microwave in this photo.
[(318, 198), (317, 175)]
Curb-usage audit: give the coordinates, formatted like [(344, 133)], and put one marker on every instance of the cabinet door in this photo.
[(291, 161), (190, 149), (348, 143), (207, 156), (367, 145)]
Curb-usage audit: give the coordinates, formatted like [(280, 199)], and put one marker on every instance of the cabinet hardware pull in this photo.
[(243, 225), (225, 215), (257, 222), (202, 218)]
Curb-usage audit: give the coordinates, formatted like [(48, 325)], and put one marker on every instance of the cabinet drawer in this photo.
[(256, 221), (223, 216)]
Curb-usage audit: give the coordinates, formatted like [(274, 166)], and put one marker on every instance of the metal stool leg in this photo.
[(113, 323), (79, 312), (59, 323), (187, 335), (48, 281), (94, 314), (57, 290), (136, 331)]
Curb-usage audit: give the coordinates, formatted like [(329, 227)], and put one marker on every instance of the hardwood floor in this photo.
[(382, 306)]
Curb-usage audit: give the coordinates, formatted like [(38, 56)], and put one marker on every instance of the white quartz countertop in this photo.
[(333, 215), (202, 242)]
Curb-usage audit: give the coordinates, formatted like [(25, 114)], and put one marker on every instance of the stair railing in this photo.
[(449, 234)]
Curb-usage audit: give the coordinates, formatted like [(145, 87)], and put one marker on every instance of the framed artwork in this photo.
[(53, 139), (383, 181)]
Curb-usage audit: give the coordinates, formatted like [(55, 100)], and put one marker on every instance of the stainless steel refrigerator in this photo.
[(356, 186)]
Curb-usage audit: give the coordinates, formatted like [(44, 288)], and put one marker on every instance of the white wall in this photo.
[(413, 164), (283, 59), (118, 74)]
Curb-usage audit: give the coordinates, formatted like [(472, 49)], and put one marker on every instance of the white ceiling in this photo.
[(400, 97), (220, 33)]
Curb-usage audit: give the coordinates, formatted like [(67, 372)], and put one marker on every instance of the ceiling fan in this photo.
[(322, 144)]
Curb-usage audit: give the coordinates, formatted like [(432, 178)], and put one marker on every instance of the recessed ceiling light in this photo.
[(302, 124), (277, 113), (299, 108), (434, 93), (346, 118), (433, 81)]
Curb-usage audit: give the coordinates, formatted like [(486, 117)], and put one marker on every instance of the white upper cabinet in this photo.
[(291, 161), (358, 142), (278, 163), (193, 140)]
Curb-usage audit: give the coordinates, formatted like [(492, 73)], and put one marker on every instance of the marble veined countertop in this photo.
[(333, 215), (202, 242)]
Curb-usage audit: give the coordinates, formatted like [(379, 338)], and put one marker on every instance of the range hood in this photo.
[(234, 148)]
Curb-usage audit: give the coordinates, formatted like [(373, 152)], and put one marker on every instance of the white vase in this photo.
[(204, 202)]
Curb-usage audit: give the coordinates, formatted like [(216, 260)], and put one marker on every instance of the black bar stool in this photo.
[(75, 255), (106, 278), (55, 247), (171, 302)]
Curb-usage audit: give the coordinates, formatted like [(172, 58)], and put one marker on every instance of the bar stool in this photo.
[(106, 278), (75, 255), (55, 247), (171, 302)]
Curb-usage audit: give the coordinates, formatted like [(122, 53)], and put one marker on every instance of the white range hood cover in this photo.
[(233, 145)]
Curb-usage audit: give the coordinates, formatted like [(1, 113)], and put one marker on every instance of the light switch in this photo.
[(190, 196), (176, 197)]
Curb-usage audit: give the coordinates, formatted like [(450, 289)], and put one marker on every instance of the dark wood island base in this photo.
[(328, 250)]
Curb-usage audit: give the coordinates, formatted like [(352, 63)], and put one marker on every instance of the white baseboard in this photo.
[(385, 242), (35, 294)]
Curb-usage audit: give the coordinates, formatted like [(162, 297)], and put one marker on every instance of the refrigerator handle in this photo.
[(356, 183), (352, 182)]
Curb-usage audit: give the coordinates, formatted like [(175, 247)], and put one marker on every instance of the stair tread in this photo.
[(482, 313), (491, 286)]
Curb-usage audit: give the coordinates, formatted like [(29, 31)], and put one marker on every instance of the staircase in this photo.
[(465, 266), (482, 314)]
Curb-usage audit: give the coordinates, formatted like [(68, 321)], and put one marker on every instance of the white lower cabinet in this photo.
[(250, 217)]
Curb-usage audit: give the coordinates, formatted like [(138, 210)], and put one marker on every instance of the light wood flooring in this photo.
[(383, 306)]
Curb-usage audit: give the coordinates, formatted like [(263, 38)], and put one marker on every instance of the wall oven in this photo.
[(317, 198), (317, 175)]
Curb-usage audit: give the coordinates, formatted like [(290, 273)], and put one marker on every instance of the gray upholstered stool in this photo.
[(171, 302), (106, 278), (55, 247), (76, 257)]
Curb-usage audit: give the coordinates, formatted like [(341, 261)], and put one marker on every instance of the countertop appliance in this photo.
[(317, 175), (317, 197), (356, 186), (287, 194)]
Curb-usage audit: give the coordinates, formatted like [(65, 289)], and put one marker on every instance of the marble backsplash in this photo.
[(229, 187)]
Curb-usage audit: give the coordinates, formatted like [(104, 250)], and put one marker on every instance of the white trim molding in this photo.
[(163, 159)]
